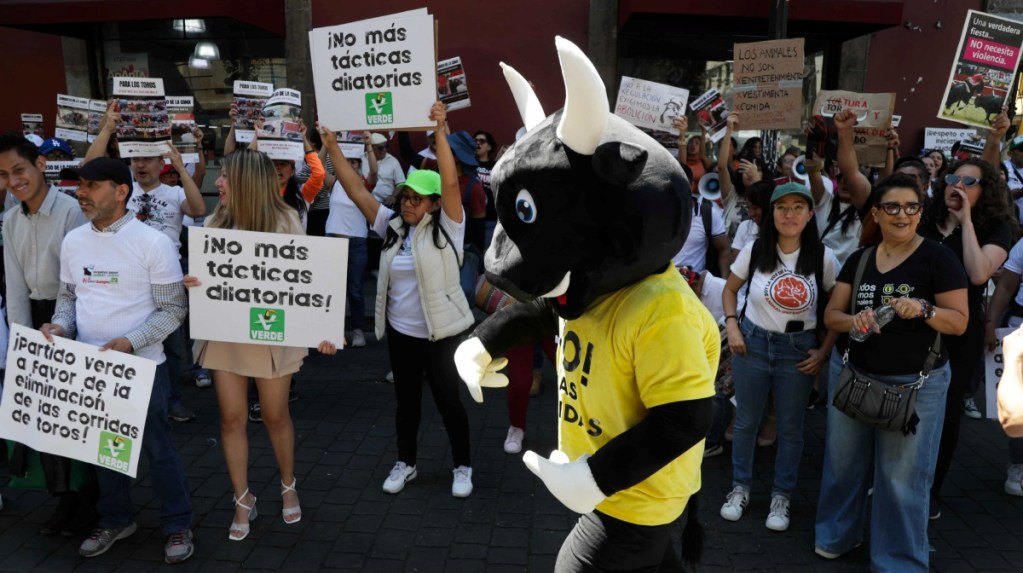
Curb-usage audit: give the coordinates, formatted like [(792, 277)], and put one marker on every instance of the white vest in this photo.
[(444, 306)]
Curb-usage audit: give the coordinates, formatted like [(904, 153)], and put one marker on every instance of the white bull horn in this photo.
[(529, 105), (584, 118)]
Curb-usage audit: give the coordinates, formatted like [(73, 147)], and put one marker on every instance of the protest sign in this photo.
[(375, 74), (145, 128), (711, 113), (768, 88), (650, 105), (281, 136), (944, 138), (182, 117), (896, 120), (70, 399), (993, 372), (72, 118), (873, 119), (52, 176), (32, 124), (249, 99), (267, 288), (981, 76), (452, 88), (97, 109)]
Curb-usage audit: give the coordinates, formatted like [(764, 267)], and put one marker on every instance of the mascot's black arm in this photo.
[(666, 433), (517, 325)]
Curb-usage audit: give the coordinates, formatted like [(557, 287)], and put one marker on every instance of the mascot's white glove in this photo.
[(571, 482), (477, 369)]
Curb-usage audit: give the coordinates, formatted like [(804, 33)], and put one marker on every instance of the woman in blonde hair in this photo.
[(250, 201)]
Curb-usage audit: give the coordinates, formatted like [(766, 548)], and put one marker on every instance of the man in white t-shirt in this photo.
[(694, 250), (389, 173)]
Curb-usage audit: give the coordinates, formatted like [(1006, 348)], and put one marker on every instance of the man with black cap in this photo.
[(141, 303)]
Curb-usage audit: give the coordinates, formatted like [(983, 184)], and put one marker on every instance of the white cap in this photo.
[(377, 138), (35, 139)]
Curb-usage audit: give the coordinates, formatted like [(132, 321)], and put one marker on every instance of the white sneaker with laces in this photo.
[(513, 443), (358, 339), (462, 484), (1014, 480), (778, 518), (401, 474), (735, 504), (970, 409)]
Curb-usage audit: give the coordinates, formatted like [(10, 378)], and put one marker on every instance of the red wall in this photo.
[(521, 34), (899, 57), (33, 70)]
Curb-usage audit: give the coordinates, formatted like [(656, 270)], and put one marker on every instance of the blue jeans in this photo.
[(357, 258), (903, 471), (769, 365), (165, 471)]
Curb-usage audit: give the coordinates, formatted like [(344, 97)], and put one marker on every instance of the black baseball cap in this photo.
[(100, 169)]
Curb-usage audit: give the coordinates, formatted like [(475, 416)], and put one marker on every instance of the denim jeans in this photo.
[(165, 472), (903, 471), (769, 365), (357, 258)]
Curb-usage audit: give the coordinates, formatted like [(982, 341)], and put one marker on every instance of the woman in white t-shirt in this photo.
[(420, 304), (756, 199), (774, 346)]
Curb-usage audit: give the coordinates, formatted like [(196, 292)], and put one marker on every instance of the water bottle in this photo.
[(882, 316)]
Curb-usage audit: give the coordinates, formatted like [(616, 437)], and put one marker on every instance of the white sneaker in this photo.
[(358, 339), (401, 474), (970, 409), (778, 518), (462, 484), (513, 443), (1014, 480), (735, 504), (390, 377)]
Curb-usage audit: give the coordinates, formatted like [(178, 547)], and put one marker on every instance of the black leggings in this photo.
[(600, 543), (411, 358)]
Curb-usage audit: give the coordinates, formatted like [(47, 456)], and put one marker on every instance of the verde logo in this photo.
[(266, 324), (379, 108), (114, 452)]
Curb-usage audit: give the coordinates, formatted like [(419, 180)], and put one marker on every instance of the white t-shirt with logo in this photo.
[(159, 209), (694, 250), (780, 296)]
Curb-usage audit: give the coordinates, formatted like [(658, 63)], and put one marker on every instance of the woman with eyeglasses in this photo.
[(927, 287), (420, 305), (976, 220), (787, 272)]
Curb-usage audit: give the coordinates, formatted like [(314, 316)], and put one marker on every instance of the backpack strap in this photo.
[(705, 215)]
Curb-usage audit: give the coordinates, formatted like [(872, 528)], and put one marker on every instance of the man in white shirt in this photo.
[(389, 173), (694, 250)]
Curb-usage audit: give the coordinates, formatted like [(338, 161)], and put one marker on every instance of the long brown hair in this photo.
[(255, 202)]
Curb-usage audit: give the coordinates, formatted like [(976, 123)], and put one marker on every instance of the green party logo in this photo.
[(114, 452), (266, 324), (379, 108)]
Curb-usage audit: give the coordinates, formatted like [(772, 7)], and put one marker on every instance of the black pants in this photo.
[(600, 543), (316, 222), (411, 358)]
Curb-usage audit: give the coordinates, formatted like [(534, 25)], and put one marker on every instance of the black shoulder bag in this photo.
[(872, 401)]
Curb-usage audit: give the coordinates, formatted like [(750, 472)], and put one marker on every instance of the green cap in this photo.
[(791, 189), (423, 181)]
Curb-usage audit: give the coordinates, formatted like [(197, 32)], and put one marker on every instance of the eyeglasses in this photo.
[(413, 200), (795, 209), (893, 208), (967, 180)]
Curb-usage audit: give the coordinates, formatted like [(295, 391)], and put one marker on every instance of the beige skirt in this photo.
[(254, 360)]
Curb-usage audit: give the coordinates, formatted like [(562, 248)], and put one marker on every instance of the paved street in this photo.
[(345, 447)]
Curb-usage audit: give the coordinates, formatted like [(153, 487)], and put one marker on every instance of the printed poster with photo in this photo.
[(72, 118), (249, 99), (97, 109), (711, 113), (145, 128), (32, 124), (281, 136), (650, 105), (376, 74), (182, 117), (981, 76), (452, 88)]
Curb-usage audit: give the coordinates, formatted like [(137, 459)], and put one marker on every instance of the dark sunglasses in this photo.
[(893, 208), (967, 180)]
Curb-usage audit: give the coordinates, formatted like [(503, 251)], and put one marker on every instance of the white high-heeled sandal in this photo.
[(242, 528), (288, 512)]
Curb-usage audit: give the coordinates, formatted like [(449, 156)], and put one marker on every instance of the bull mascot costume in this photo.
[(591, 211)]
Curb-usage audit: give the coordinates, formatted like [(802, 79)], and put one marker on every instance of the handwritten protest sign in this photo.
[(768, 90), (267, 288), (281, 136), (873, 119), (981, 76), (375, 74), (145, 127), (452, 87), (945, 138), (249, 99), (650, 105), (32, 124), (68, 398), (712, 113), (182, 117), (993, 372)]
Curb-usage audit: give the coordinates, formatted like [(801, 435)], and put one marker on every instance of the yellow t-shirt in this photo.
[(647, 345)]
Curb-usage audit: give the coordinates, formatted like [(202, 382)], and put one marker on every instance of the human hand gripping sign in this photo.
[(478, 369)]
